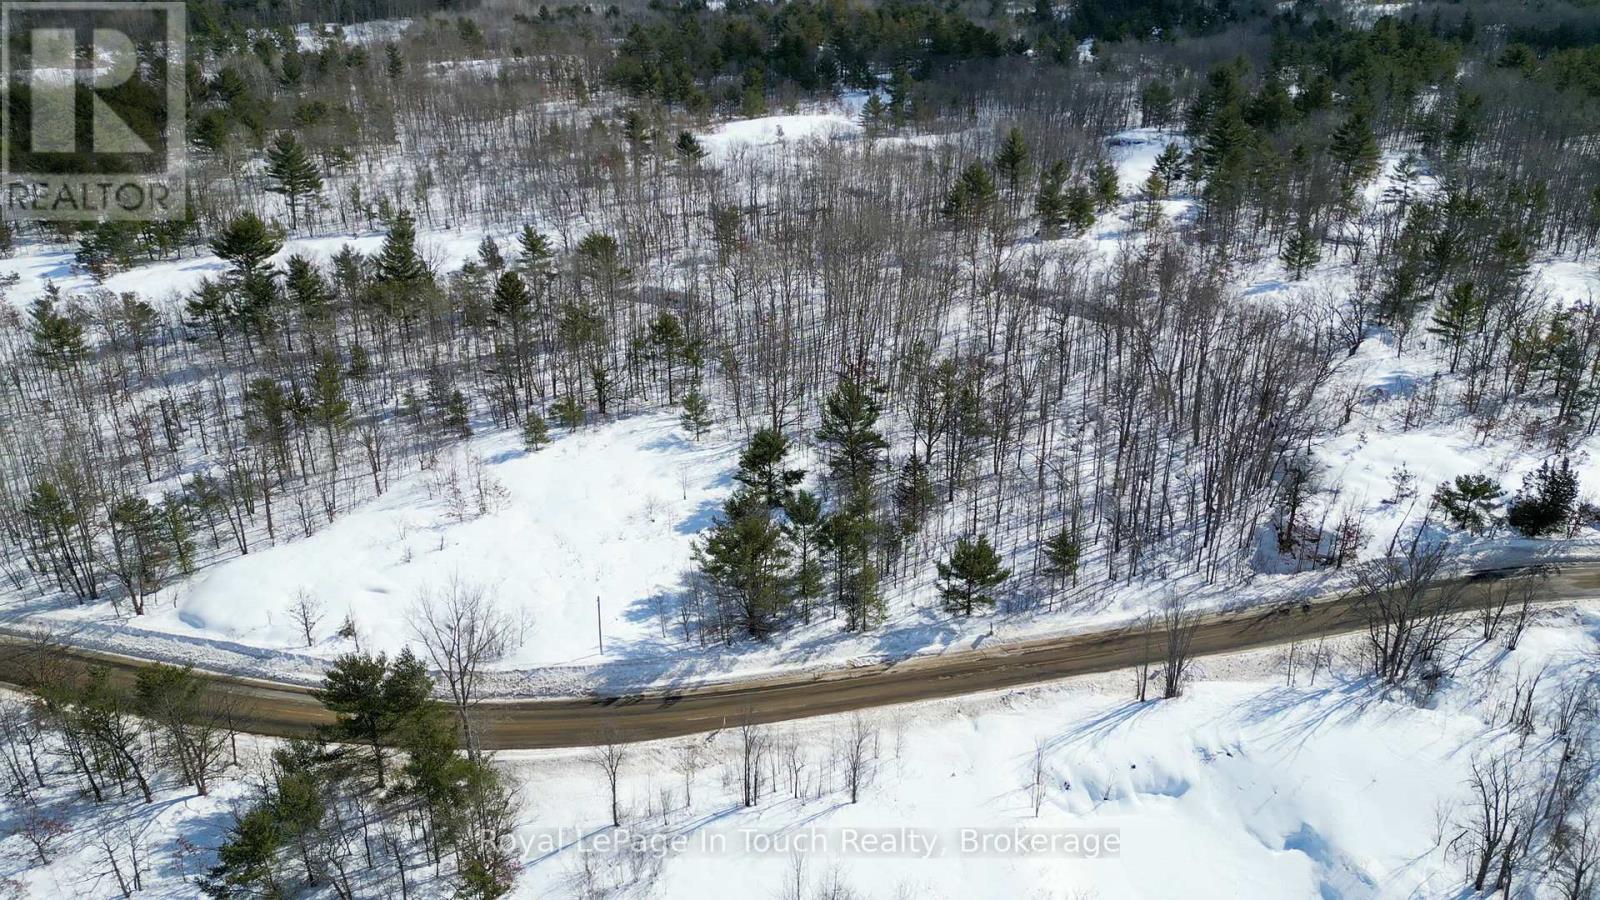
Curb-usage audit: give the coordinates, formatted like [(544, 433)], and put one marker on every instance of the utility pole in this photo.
[(600, 635)]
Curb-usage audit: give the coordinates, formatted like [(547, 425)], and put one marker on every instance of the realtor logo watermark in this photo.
[(903, 842), (92, 125)]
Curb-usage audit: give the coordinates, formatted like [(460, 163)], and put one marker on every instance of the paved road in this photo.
[(285, 710)]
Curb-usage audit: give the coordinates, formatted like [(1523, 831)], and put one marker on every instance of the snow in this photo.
[(377, 31), (834, 122), (1244, 787), (606, 513), (1134, 154)]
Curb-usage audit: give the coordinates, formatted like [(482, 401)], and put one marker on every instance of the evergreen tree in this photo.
[(1169, 164), (851, 533), (1468, 502), (914, 497), (398, 263), (804, 531), (1155, 104), (972, 197), (696, 416), (457, 418), (537, 256), (972, 571), (849, 435), (394, 63), (900, 86), (535, 433), (247, 243), (1355, 148), (142, 558), (873, 115), (746, 559), (307, 289), (1301, 251), (511, 301), (761, 467), (291, 173), (57, 338), (688, 148), (1106, 189), (1080, 210), (1457, 318), (374, 698), (1062, 553), (568, 413), (1051, 202), (489, 255), (1546, 501), (1011, 161), (247, 861)]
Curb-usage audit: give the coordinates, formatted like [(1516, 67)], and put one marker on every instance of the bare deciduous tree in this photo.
[(306, 612), (463, 630), (857, 747), (1179, 624), (1410, 610), (609, 757)]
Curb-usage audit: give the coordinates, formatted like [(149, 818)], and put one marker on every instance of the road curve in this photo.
[(272, 708)]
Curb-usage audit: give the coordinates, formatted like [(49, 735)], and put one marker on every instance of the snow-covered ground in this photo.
[(1256, 783)]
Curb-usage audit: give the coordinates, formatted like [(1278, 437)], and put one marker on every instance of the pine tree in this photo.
[(142, 558), (1080, 209), (873, 114), (1468, 502), (972, 571), (1355, 148), (1155, 104), (1051, 202), (761, 467), (568, 413), (291, 173), (1011, 161), (373, 698), (849, 434), (1546, 501), (247, 861), (394, 63), (537, 255), (398, 263), (1457, 318), (696, 417), (307, 289), (1062, 552), (972, 197), (57, 339), (851, 533), (329, 409), (744, 555), (1301, 251), (1106, 189), (535, 432), (1169, 164), (247, 243), (804, 531), (511, 301), (457, 419), (900, 86), (489, 255), (914, 496), (688, 148)]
